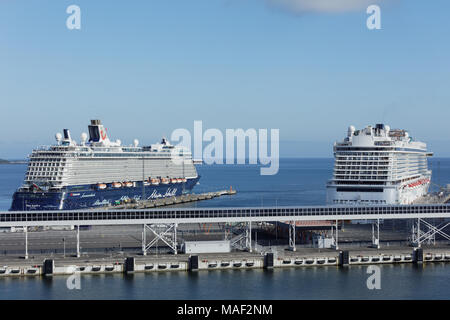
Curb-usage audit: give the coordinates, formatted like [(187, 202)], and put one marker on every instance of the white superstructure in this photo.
[(101, 161), (378, 165)]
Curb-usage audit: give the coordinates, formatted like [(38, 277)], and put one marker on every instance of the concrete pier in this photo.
[(119, 263), (154, 203)]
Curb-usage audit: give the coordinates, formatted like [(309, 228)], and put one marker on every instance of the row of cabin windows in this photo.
[(31, 170)]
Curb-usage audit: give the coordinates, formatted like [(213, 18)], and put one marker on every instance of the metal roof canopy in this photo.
[(211, 215)]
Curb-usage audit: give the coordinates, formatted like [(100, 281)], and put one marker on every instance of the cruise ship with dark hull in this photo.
[(98, 172)]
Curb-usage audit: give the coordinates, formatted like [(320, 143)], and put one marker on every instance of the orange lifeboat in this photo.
[(146, 183), (164, 181), (155, 181), (180, 180), (101, 186), (128, 184), (183, 180), (116, 184), (173, 180)]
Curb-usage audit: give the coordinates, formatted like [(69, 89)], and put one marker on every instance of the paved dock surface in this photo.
[(128, 237)]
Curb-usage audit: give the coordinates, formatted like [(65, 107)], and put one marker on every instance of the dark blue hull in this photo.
[(82, 197)]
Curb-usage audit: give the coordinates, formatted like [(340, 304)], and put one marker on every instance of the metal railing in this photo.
[(191, 215)]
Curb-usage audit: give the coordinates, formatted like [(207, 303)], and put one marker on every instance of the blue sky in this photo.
[(148, 67)]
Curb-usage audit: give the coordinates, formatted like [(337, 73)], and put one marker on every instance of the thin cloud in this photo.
[(323, 6)]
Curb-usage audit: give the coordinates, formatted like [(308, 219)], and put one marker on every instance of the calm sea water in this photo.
[(397, 282), (299, 182)]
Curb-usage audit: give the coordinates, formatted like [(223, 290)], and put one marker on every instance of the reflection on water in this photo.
[(404, 281)]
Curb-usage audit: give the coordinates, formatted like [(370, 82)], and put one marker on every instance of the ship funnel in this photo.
[(97, 133), (67, 135)]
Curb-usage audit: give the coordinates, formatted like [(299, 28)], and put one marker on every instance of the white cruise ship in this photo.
[(378, 165), (98, 172)]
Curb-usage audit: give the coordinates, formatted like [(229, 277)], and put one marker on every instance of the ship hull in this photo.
[(84, 197), (378, 195)]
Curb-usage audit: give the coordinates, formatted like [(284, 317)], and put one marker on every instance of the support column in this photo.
[(418, 233), (376, 239), (337, 236), (144, 241), (78, 241), (378, 232), (250, 236), (242, 240), (292, 235), (175, 238), (166, 233), (26, 241), (429, 232)]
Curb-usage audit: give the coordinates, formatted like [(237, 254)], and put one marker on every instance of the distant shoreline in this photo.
[(3, 161)]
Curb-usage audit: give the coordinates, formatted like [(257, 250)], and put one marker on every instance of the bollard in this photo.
[(418, 255), (343, 258), (193, 263), (49, 265), (129, 264), (268, 260)]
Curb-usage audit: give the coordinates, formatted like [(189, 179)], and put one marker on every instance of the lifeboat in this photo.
[(127, 184), (184, 180), (101, 186), (173, 180), (146, 183), (180, 180), (116, 184), (164, 181), (155, 181)]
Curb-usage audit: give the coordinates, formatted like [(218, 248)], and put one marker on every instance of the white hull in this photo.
[(390, 195)]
